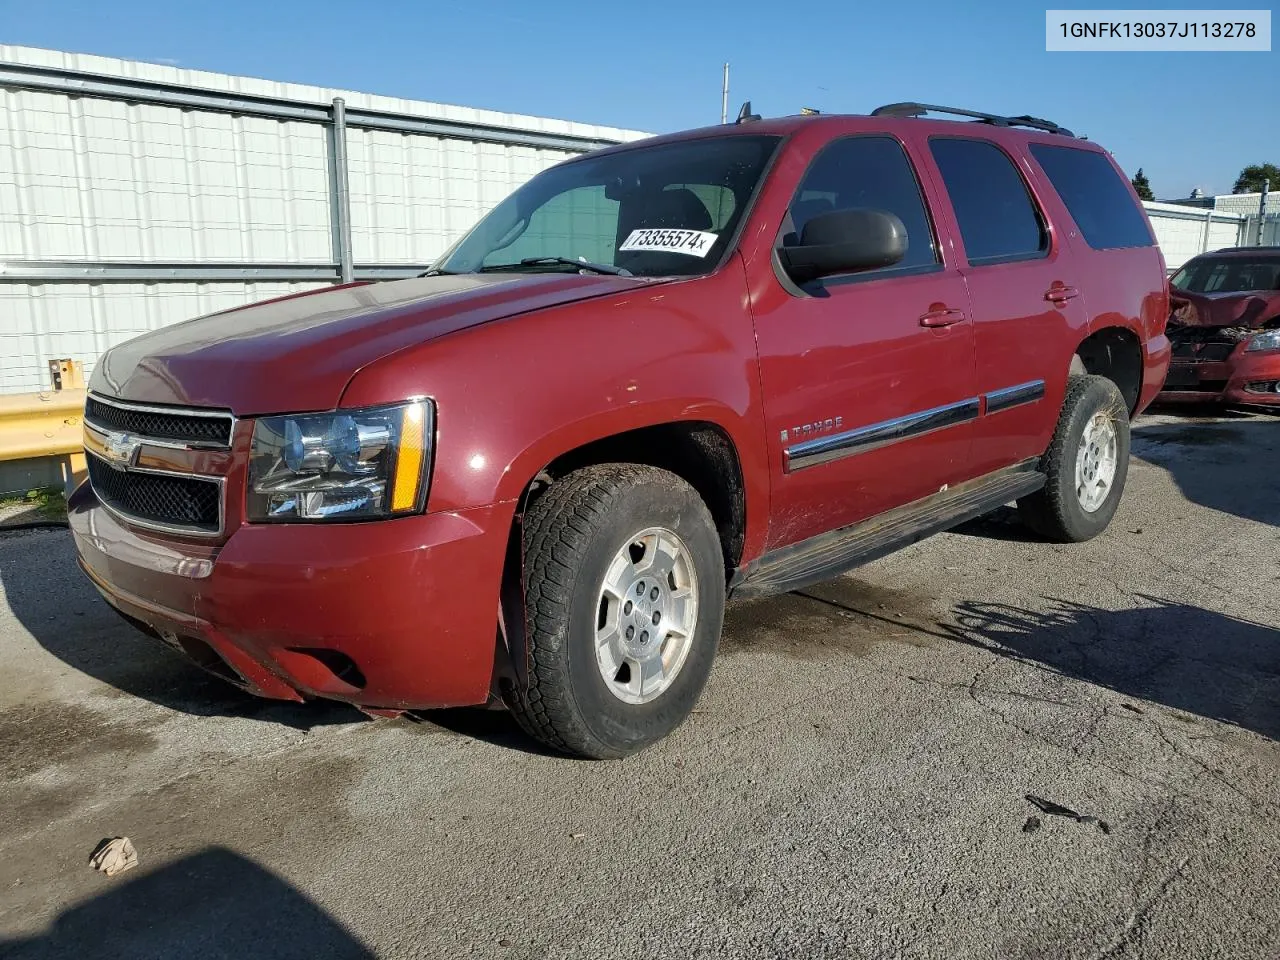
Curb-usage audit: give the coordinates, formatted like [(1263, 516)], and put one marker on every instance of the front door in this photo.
[(868, 379)]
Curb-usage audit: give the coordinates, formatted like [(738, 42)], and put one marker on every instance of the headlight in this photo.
[(1267, 340), (348, 465)]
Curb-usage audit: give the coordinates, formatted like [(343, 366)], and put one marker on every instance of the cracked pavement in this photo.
[(853, 783)]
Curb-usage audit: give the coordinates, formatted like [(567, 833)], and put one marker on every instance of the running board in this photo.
[(830, 554)]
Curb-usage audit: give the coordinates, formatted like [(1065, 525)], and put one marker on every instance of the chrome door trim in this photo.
[(862, 439), (1014, 396)]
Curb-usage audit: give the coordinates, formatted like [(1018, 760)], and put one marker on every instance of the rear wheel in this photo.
[(624, 601), (1085, 466)]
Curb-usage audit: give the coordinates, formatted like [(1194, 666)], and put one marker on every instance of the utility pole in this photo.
[(1262, 211), (724, 96)]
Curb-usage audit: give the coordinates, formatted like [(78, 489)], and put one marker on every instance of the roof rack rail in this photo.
[(919, 109)]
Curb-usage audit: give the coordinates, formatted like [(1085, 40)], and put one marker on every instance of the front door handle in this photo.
[(943, 317), (1060, 293)]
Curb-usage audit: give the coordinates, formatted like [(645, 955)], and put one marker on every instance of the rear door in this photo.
[(1115, 252), (1025, 293), (867, 377)]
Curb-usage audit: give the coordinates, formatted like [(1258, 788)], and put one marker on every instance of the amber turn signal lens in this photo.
[(409, 459)]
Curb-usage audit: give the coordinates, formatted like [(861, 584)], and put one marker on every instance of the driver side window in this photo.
[(865, 172), (577, 223)]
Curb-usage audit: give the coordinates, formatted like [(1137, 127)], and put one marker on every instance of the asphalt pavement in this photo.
[(854, 782)]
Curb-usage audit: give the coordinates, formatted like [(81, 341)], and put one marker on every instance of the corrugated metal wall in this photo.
[(104, 180)]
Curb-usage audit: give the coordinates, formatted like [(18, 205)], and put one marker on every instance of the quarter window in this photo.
[(1097, 198), (998, 220), (865, 172)]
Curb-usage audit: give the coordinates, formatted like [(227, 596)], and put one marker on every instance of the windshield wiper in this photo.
[(437, 272), (581, 264)]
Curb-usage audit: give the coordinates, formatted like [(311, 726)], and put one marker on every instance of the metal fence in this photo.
[(1184, 232), (134, 195), (1268, 236)]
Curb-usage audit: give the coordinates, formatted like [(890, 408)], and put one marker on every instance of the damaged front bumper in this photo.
[(388, 616), (1214, 365)]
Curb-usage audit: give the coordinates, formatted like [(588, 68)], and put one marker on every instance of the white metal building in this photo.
[(134, 195), (1248, 203)]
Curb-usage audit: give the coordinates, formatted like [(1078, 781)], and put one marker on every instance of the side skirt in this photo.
[(837, 551)]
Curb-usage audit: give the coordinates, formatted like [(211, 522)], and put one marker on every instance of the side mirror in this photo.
[(845, 241)]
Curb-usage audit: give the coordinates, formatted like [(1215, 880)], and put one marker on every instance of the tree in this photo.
[(1142, 185), (1251, 177)]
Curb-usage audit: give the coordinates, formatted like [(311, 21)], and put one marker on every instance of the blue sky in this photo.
[(1189, 119)]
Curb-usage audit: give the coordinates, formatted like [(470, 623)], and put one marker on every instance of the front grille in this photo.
[(1200, 386), (1205, 351), (181, 425), (185, 503)]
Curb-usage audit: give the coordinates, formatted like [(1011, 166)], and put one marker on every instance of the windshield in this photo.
[(650, 211), (1229, 275)]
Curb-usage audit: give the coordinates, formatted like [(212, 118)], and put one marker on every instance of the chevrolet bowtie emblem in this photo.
[(120, 449)]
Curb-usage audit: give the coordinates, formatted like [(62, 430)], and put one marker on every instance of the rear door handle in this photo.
[(1060, 293), (944, 317)]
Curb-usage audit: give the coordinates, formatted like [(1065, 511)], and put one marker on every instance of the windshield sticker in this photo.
[(695, 243)]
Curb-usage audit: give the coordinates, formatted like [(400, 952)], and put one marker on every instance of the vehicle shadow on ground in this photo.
[(495, 727), (215, 903), (1230, 463), (59, 607), (1184, 657)]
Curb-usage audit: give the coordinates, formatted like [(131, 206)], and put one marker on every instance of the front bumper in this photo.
[(1244, 379), (394, 615)]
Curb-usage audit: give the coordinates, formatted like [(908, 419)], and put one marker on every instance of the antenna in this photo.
[(724, 96), (745, 115)]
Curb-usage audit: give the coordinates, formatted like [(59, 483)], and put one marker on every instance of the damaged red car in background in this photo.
[(1224, 326)]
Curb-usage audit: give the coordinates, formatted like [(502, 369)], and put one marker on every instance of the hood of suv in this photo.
[(298, 353)]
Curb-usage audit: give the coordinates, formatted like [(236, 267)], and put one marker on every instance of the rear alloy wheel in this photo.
[(624, 601), (1096, 463), (1085, 466)]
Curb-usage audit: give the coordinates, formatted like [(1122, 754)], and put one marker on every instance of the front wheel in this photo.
[(1085, 466), (624, 602)]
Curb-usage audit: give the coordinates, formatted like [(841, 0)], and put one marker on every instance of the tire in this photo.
[(598, 525), (1060, 511)]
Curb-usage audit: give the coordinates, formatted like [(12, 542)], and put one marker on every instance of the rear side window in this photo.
[(1097, 197), (998, 220), (865, 171)]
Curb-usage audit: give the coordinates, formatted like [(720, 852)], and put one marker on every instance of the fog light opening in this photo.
[(207, 659), (337, 663)]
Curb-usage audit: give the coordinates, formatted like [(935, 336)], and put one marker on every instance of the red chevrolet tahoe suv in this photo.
[(727, 362)]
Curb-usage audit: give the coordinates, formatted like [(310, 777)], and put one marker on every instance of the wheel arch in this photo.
[(1115, 353), (701, 451)]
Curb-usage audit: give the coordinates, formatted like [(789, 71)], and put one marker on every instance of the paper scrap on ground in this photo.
[(114, 855)]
